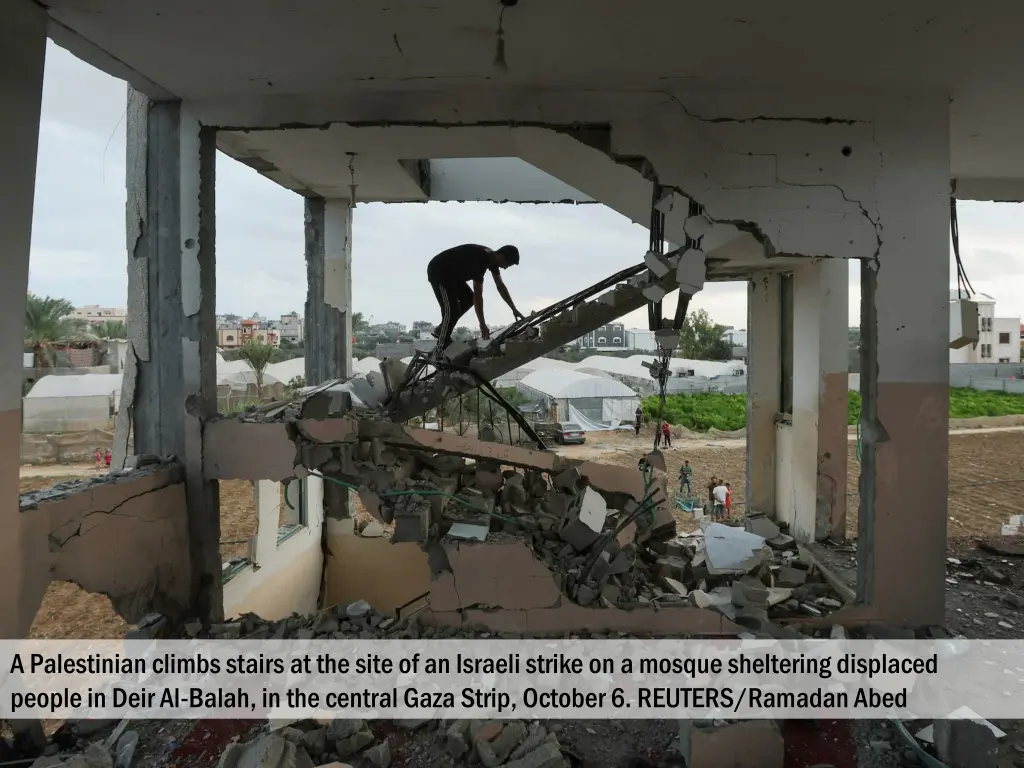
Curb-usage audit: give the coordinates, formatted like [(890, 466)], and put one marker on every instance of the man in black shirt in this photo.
[(449, 274)]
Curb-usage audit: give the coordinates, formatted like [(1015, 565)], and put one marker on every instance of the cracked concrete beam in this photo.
[(74, 534), (440, 442), (235, 449)]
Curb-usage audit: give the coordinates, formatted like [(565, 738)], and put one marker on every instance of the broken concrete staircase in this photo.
[(490, 361)]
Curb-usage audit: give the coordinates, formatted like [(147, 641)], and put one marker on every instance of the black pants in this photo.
[(455, 299)]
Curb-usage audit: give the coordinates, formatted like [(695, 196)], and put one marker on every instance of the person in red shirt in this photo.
[(728, 500), (666, 434), (99, 458), (106, 459)]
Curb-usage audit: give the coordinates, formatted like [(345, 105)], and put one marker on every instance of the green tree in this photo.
[(701, 338), (257, 355), (47, 323), (111, 329), (359, 323), (462, 333)]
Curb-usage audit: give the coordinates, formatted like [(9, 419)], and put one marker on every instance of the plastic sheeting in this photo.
[(590, 426), (568, 384), (619, 410)]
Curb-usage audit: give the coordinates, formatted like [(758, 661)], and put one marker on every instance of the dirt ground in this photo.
[(985, 485)]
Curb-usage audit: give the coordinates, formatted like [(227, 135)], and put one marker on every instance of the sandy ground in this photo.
[(986, 482)]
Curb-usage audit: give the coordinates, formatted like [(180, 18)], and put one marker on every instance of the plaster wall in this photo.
[(286, 576), (817, 434), (764, 382), (22, 54), (69, 537), (905, 370)]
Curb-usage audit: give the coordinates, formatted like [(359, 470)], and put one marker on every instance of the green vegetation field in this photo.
[(708, 410)]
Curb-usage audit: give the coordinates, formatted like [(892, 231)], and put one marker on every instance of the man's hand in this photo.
[(485, 333)]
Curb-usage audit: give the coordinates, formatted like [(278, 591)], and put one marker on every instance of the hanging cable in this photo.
[(964, 289)]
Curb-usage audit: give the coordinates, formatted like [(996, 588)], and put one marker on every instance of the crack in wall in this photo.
[(756, 231), (60, 543)]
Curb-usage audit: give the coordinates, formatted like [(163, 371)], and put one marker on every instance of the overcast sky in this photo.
[(78, 243)]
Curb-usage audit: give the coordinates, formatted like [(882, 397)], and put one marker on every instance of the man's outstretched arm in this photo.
[(503, 292), (478, 304)]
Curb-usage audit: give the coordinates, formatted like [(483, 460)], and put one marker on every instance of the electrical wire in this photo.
[(964, 289)]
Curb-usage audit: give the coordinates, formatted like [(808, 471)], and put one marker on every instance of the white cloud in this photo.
[(78, 248)]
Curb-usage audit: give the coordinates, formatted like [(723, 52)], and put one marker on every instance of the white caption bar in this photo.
[(844, 679)]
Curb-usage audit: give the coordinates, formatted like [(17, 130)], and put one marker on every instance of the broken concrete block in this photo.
[(762, 526), (749, 592), (749, 744), (578, 535), (965, 744), (593, 510), (371, 529), (268, 751), (379, 755), (493, 752), (657, 263), (675, 586), (547, 755), (791, 577), (782, 541), (732, 550), (671, 567)]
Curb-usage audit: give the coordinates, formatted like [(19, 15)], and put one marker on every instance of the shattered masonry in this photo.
[(527, 540)]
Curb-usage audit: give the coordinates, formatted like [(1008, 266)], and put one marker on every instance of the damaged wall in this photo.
[(796, 169), (71, 531), (22, 54)]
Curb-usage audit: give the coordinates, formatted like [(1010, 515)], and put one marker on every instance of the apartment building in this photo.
[(998, 337), (95, 314)]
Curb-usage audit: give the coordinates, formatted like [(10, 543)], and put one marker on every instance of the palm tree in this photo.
[(46, 323), (257, 355), (111, 329)]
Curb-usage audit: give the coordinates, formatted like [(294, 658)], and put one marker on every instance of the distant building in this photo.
[(291, 328), (998, 337), (246, 331), (97, 315), (640, 340), (391, 326), (608, 337)]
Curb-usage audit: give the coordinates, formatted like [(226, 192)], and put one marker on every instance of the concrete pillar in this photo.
[(764, 387), (329, 312), (816, 476), (904, 373), (329, 292), (170, 370), (22, 53)]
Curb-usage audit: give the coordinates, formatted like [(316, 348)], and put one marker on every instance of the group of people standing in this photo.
[(719, 492), (661, 435)]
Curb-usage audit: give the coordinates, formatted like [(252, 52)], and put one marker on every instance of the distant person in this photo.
[(639, 420), (99, 459), (666, 433), (106, 459), (712, 484), (720, 494), (728, 500), (450, 273), (685, 477)]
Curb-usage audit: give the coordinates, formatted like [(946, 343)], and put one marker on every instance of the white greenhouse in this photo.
[(594, 398), (76, 403)]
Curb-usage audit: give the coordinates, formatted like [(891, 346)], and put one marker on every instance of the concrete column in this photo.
[(329, 292), (329, 313), (817, 435), (904, 372), (764, 387), (22, 53), (170, 370)]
